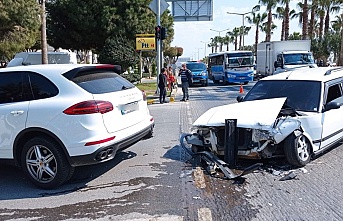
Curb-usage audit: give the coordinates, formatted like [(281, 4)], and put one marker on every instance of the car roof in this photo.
[(322, 74), (48, 69)]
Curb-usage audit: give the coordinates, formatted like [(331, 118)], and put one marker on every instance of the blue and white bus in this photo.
[(231, 67)]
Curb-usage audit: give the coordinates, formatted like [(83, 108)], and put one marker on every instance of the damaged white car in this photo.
[(294, 115)]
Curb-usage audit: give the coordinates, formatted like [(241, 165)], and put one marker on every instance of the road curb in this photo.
[(155, 99)]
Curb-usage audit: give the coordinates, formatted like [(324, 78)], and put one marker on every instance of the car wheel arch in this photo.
[(290, 151), (29, 133)]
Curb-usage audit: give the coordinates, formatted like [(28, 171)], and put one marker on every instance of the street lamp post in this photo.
[(219, 31), (242, 33), (198, 53), (205, 46)]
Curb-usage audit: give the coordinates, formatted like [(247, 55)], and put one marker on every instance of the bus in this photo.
[(231, 67)]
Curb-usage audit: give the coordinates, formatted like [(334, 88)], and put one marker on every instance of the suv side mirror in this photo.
[(332, 105), (239, 98)]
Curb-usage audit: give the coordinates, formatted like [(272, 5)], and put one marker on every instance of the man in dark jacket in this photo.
[(186, 80), (162, 84)]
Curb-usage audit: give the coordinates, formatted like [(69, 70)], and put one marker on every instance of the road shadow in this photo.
[(15, 185)]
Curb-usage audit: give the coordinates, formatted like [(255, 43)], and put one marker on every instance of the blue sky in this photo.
[(189, 35)]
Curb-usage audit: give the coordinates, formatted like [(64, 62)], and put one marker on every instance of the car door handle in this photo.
[(16, 113)]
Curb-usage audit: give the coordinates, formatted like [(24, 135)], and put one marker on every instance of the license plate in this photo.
[(128, 108), (196, 80)]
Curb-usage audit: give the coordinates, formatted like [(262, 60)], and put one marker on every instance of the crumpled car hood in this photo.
[(258, 114)]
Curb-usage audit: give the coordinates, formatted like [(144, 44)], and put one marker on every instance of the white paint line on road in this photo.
[(204, 214)]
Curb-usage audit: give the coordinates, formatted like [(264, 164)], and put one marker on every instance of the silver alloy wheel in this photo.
[(41, 163), (303, 148)]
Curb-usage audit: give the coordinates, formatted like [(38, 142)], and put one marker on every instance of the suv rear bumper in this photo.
[(108, 152)]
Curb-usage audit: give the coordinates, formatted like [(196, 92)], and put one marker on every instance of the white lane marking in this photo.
[(204, 214)]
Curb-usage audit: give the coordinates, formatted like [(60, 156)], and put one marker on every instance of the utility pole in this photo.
[(158, 42), (44, 43)]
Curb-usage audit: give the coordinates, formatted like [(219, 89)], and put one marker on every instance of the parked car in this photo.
[(58, 116), (296, 114), (199, 72)]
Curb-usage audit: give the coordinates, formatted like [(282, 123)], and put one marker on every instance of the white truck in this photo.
[(33, 58), (279, 56)]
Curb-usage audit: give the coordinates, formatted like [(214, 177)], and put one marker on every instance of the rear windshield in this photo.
[(102, 82), (301, 95)]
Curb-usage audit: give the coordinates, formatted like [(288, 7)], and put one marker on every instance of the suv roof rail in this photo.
[(328, 72)]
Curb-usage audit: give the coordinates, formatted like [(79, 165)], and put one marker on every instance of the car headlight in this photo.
[(203, 73)]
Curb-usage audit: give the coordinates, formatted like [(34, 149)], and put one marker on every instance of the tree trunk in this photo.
[(340, 57), (321, 24), (283, 30), (43, 34), (313, 14), (327, 22), (286, 23), (269, 25), (305, 20), (256, 39)]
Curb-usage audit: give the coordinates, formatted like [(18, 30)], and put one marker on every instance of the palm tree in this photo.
[(305, 20), (271, 4), (295, 36), (264, 29), (235, 33), (227, 40), (242, 32), (213, 45), (288, 14), (313, 8), (257, 19), (280, 14), (329, 6), (221, 42), (302, 15), (337, 25)]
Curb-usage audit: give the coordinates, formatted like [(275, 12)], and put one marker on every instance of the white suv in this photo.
[(56, 117), (295, 114)]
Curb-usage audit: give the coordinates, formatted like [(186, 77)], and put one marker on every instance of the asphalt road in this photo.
[(154, 180)]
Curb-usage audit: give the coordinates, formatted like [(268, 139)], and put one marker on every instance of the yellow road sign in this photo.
[(145, 44)]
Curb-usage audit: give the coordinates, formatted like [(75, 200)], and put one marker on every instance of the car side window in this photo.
[(334, 92), (42, 87), (13, 87)]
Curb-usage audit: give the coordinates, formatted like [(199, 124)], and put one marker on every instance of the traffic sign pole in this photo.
[(158, 41)]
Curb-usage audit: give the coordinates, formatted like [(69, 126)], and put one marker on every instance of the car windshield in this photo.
[(301, 95), (295, 59), (240, 61), (196, 66)]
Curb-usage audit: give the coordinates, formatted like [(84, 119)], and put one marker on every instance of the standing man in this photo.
[(162, 84), (186, 80)]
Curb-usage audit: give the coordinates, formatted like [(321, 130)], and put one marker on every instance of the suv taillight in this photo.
[(89, 107)]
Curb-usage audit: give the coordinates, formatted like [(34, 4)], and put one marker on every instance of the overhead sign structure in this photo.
[(145, 42), (192, 10), (163, 4)]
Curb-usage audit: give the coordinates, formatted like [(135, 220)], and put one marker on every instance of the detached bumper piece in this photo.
[(230, 154)]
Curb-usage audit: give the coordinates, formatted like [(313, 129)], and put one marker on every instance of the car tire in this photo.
[(44, 163), (205, 84), (247, 82), (297, 150), (150, 134), (224, 81)]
